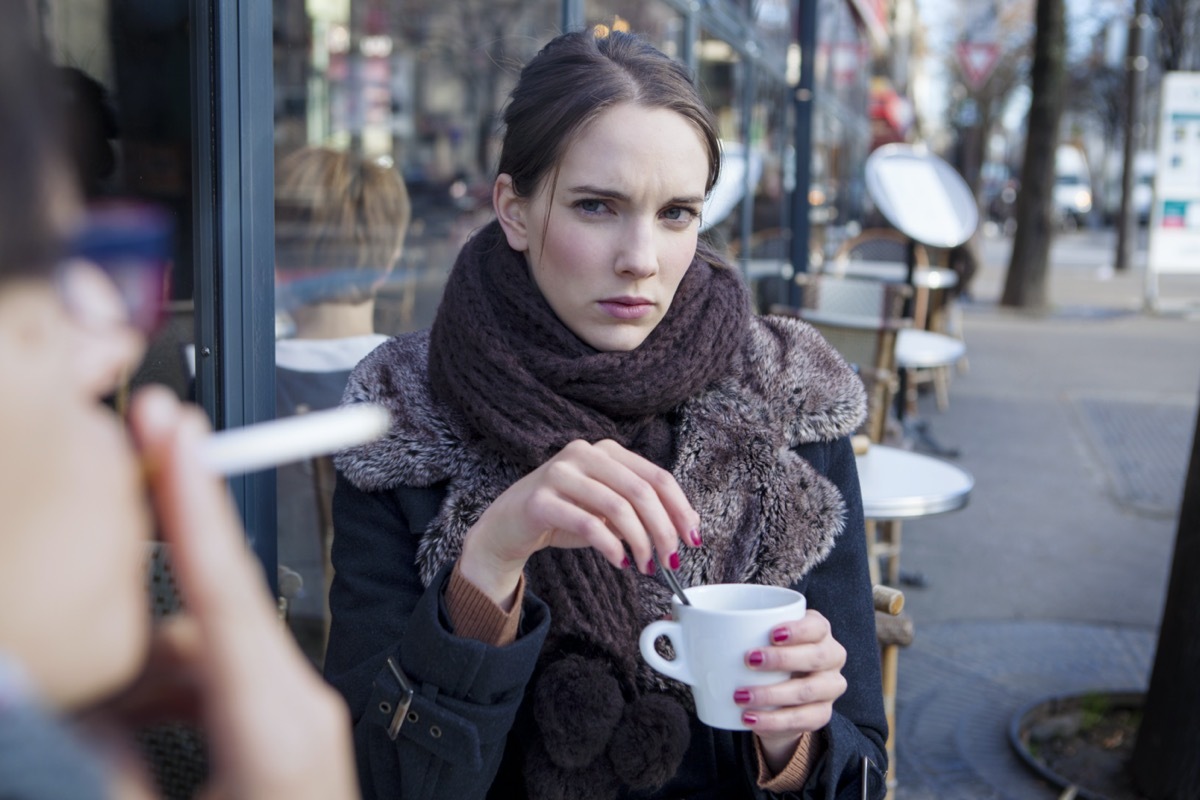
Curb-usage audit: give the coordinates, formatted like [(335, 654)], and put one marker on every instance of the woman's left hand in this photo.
[(780, 713)]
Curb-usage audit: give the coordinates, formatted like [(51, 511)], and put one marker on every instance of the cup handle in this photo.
[(678, 668)]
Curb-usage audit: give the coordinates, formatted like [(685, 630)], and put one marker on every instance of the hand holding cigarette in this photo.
[(275, 729)]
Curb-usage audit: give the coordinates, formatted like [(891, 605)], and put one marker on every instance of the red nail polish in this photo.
[(674, 560), (694, 536), (780, 635), (741, 697), (625, 562), (755, 658), (650, 570), (749, 719)]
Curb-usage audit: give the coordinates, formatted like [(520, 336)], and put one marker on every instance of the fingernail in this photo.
[(780, 635), (674, 561), (694, 537), (755, 658), (749, 719), (650, 570), (741, 697), (625, 562)]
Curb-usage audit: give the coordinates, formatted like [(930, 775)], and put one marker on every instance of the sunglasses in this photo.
[(133, 244)]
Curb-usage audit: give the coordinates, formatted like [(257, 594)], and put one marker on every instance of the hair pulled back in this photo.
[(576, 77), (35, 169), (336, 210)]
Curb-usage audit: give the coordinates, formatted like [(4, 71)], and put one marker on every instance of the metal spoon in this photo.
[(672, 580)]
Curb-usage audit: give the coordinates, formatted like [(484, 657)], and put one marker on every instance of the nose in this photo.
[(637, 255)]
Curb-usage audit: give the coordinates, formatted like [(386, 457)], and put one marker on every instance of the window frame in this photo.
[(234, 233)]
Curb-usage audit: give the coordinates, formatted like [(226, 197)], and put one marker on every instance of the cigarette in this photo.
[(282, 441)]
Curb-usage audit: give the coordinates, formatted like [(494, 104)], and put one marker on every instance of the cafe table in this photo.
[(897, 485)]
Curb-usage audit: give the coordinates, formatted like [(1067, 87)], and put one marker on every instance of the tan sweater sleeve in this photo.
[(475, 616), (792, 777)]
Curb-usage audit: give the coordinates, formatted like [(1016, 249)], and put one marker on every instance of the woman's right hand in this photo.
[(275, 729), (588, 495)]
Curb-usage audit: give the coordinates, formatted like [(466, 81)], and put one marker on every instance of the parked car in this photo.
[(1072, 186)]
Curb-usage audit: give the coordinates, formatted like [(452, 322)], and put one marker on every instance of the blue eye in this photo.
[(679, 214), (591, 206)]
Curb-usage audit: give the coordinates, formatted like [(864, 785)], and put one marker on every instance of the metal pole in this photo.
[(806, 19), (572, 15)]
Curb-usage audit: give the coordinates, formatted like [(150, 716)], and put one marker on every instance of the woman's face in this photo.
[(76, 520), (610, 240)]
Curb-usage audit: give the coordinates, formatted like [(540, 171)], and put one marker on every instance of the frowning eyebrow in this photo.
[(600, 191)]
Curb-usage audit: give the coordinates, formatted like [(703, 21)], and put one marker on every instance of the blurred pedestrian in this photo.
[(340, 223)]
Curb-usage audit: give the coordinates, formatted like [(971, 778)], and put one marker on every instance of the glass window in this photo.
[(126, 71), (767, 250), (841, 128), (721, 75), (386, 138), (773, 31)]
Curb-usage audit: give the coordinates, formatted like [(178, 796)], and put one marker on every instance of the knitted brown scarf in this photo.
[(526, 385)]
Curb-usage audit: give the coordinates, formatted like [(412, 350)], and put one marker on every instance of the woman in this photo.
[(594, 391), (81, 668)]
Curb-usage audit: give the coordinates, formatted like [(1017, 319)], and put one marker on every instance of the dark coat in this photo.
[(469, 697)]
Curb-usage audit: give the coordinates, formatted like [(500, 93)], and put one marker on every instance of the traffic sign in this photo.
[(978, 59)]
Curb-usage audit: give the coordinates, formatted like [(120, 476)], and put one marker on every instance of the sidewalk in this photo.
[(1077, 426)]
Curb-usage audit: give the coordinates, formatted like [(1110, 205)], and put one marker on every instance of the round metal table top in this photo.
[(918, 349), (900, 484), (895, 272)]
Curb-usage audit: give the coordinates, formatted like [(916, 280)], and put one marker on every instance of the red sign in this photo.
[(978, 59)]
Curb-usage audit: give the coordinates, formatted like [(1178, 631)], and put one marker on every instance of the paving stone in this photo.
[(1144, 447), (962, 683)]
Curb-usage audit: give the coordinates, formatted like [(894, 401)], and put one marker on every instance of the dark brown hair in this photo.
[(577, 76), (36, 183), (335, 210)]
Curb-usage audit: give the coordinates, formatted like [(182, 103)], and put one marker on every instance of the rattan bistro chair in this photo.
[(930, 310), (861, 319), (893, 630), (881, 244)]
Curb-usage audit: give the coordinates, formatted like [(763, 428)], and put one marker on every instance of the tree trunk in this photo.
[(1025, 283), (1135, 81), (1165, 764)]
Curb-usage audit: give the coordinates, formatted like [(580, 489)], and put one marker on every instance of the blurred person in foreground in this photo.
[(81, 665)]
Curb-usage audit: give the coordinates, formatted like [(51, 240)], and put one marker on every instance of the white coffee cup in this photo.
[(711, 638)]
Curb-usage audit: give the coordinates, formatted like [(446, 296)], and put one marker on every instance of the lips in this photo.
[(627, 307)]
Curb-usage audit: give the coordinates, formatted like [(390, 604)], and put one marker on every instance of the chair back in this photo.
[(881, 244), (860, 319)]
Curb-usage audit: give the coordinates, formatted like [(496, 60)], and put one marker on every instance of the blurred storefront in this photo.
[(848, 35), (203, 108)]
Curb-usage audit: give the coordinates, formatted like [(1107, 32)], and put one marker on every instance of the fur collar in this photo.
[(766, 515)]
